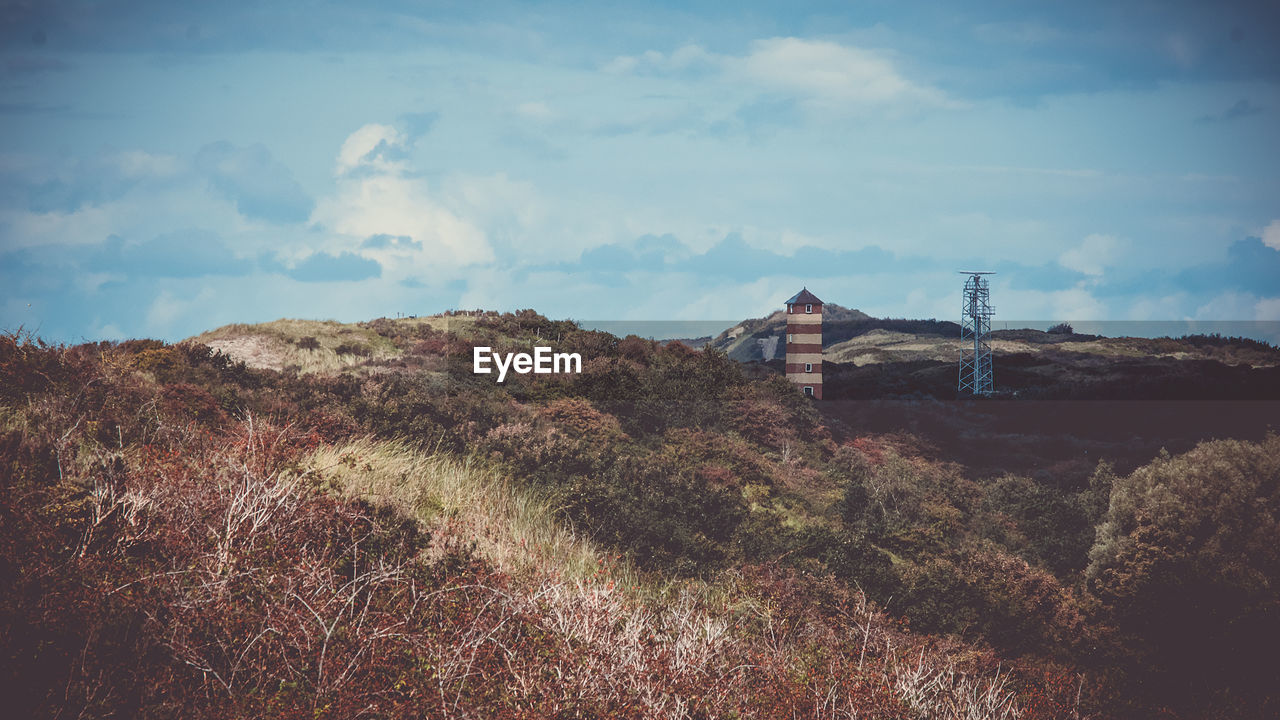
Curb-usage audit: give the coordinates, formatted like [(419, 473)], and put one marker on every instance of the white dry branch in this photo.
[(942, 692), (112, 502)]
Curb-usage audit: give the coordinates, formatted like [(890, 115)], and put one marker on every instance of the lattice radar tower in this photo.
[(976, 375)]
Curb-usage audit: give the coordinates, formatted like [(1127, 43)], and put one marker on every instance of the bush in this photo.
[(161, 362), (1040, 522), (662, 515), (29, 365), (308, 342), (1061, 329), (353, 348), (580, 419), (1185, 566)]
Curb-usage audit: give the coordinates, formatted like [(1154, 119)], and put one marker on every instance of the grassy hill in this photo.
[(762, 338), (311, 346), (853, 337), (323, 519)]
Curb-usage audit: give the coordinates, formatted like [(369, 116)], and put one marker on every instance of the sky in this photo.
[(167, 168)]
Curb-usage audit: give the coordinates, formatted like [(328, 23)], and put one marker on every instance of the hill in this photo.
[(762, 338), (310, 346), (853, 337), (360, 524)]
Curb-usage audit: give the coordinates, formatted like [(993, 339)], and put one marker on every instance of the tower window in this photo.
[(808, 308), (808, 390), (808, 367), (791, 338)]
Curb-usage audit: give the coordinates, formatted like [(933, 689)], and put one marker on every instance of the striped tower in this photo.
[(804, 342)]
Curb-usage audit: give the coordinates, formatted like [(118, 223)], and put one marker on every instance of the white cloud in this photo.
[(1094, 255), (1163, 307), (372, 147), (690, 56), (167, 311), (1267, 309), (111, 192), (1072, 304), (86, 225), (1077, 303), (110, 331), (508, 211), (1271, 235), (1228, 306), (621, 65), (826, 76), (651, 61), (383, 198), (137, 164), (831, 75), (392, 205), (734, 301)]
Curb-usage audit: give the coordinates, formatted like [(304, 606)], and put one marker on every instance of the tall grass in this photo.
[(514, 528), (676, 651)]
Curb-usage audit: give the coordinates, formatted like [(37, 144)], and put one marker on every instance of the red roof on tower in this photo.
[(804, 296)]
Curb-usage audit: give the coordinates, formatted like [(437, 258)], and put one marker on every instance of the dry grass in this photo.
[(621, 640), (452, 323), (274, 345), (515, 529)]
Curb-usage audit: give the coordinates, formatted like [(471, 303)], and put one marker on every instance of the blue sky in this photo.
[(166, 168)]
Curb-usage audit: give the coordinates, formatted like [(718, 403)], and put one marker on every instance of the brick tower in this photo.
[(804, 342)]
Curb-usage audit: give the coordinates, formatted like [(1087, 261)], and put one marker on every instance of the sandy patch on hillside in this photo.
[(253, 350), (879, 346)]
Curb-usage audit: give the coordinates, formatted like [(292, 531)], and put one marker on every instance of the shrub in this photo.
[(663, 515), (308, 342), (186, 401), (353, 348), (580, 419), (29, 365), (1184, 566), (1043, 523), (770, 413)]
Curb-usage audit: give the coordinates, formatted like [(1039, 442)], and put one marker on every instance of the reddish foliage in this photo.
[(582, 420)]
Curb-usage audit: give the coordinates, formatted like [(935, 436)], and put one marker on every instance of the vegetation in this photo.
[(668, 534), (1189, 542), (1231, 373)]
